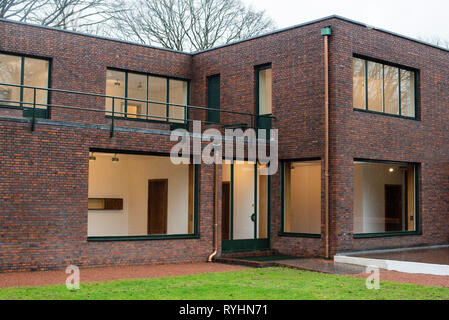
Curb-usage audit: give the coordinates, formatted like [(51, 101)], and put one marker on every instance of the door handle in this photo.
[(253, 218)]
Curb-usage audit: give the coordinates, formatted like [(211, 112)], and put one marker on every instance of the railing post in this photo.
[(113, 115), (33, 121)]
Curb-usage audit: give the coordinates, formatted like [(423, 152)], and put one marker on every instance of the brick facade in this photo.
[(44, 174)]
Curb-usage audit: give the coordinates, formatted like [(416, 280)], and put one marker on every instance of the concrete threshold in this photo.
[(386, 263)]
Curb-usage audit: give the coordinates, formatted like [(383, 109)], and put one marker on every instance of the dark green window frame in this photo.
[(282, 233), (214, 97), (248, 245), (400, 68), (28, 111), (196, 231), (418, 231), (262, 121), (167, 104)]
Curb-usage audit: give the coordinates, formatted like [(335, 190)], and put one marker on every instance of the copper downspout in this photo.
[(214, 254), (326, 139)]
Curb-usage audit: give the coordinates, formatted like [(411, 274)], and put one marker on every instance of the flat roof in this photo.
[(235, 42)]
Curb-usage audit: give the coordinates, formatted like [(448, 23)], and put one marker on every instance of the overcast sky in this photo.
[(413, 18)]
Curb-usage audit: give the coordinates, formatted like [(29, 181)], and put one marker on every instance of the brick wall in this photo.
[(358, 134), (44, 175)]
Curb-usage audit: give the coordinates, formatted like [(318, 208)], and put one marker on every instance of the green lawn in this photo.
[(251, 284)]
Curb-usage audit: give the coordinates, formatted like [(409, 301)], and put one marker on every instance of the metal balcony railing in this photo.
[(255, 121)]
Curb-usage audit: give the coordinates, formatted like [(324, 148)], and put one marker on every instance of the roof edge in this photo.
[(235, 42), (321, 20), (94, 36)]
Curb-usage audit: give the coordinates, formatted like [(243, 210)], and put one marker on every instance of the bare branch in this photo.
[(190, 24), (436, 40)]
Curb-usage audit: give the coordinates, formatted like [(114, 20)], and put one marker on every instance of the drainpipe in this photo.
[(217, 148), (326, 33)]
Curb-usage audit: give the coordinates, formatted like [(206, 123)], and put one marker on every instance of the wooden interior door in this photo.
[(157, 206), (393, 208), (225, 211)]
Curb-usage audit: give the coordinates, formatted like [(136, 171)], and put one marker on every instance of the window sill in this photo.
[(299, 235), (387, 235), (388, 115), (142, 238)]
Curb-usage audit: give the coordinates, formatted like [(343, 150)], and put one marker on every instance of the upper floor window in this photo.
[(142, 96), (383, 88), (264, 78), (17, 71)]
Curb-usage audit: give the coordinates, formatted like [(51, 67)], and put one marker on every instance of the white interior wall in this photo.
[(369, 195), (103, 184), (128, 179), (243, 201), (306, 198)]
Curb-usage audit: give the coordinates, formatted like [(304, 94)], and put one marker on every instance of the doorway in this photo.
[(393, 208), (157, 207), (245, 208)]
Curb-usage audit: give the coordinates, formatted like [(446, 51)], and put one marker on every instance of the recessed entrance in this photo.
[(245, 208)]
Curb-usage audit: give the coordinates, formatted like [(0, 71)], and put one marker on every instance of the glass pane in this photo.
[(178, 95), (10, 70), (226, 202), (137, 89), (375, 84), (265, 92), (157, 91), (408, 93), (35, 75), (302, 197), (191, 222), (358, 79), (262, 205), (243, 201), (384, 198), (157, 196), (115, 87), (391, 85)]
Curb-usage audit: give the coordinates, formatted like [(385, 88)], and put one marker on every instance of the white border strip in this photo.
[(399, 266)]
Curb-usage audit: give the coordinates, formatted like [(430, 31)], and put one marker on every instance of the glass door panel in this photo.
[(244, 208)]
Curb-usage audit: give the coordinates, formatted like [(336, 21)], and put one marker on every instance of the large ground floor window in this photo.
[(139, 195), (385, 197), (301, 198)]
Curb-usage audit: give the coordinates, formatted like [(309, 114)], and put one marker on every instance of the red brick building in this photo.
[(85, 128)]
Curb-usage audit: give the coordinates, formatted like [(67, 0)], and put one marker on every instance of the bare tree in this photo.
[(436, 40), (190, 24), (19, 9), (65, 14)]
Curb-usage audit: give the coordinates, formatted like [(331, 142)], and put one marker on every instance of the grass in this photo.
[(251, 284)]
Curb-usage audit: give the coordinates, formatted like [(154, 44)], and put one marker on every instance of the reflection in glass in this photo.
[(115, 87), (10, 69)]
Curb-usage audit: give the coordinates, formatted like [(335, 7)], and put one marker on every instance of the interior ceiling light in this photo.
[(391, 170), (115, 159), (140, 86), (92, 157), (117, 83)]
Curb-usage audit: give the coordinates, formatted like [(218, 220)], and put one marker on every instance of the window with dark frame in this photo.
[(155, 199), (146, 97), (385, 198), (264, 96), (301, 198), (24, 71), (383, 88)]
